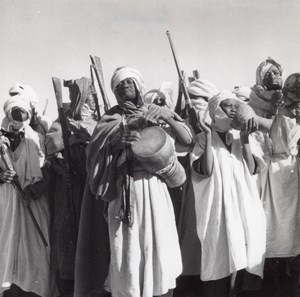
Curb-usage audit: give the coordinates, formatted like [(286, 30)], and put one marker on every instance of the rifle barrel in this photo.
[(46, 105), (191, 111), (174, 54)]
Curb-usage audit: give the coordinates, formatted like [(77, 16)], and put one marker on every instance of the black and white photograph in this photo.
[(150, 148)]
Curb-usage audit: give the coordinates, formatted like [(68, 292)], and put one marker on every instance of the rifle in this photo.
[(190, 109), (96, 65), (178, 108), (196, 74), (94, 93), (34, 119), (8, 164), (64, 122), (46, 105), (66, 133)]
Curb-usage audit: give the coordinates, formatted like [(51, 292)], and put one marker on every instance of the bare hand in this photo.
[(277, 98), (27, 196), (7, 176), (130, 137), (276, 101), (156, 113), (206, 128), (250, 126)]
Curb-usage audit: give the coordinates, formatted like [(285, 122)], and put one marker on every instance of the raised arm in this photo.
[(204, 164), (173, 119), (250, 126)]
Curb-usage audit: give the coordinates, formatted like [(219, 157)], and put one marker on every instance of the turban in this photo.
[(164, 92), (242, 93), (202, 88), (17, 101), (220, 121), (25, 90), (126, 72), (263, 68), (214, 103)]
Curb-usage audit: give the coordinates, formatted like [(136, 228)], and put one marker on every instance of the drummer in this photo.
[(145, 256)]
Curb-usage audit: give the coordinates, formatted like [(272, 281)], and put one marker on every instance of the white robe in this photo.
[(145, 258), (280, 192), (230, 219), (24, 260)]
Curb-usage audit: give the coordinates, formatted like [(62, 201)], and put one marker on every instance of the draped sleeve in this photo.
[(100, 158)]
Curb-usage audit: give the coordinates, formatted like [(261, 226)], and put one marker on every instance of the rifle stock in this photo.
[(96, 64), (94, 93), (178, 109), (191, 111)]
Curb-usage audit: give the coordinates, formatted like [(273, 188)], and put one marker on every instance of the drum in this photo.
[(156, 153)]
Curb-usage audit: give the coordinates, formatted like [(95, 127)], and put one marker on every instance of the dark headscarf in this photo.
[(79, 90)]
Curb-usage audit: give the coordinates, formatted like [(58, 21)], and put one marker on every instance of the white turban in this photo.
[(126, 72), (25, 90), (263, 68), (242, 93), (202, 88), (165, 92), (17, 101), (214, 103)]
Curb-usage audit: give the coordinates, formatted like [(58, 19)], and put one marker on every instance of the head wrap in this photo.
[(16, 101), (79, 90), (119, 75), (263, 68), (202, 88), (126, 72), (220, 121), (260, 98), (242, 93), (164, 92), (26, 91)]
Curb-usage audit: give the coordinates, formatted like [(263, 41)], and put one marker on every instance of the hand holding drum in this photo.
[(158, 113), (129, 137), (246, 119)]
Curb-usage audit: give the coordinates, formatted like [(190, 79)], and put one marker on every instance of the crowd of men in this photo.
[(137, 203)]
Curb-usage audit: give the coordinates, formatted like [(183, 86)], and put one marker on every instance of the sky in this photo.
[(224, 39)]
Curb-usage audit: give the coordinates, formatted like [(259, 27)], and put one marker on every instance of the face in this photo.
[(229, 106), (272, 79), (126, 89), (291, 90), (91, 102), (159, 101), (19, 114)]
